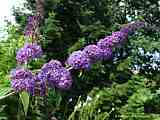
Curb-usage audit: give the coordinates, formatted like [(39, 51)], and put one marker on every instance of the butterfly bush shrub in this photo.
[(54, 74)]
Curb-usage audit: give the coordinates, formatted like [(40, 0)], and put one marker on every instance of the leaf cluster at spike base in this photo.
[(53, 74)]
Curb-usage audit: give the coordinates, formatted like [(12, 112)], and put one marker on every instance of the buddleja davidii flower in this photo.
[(107, 54), (50, 66), (60, 78), (28, 52), (23, 55), (39, 87), (79, 60), (21, 79), (43, 78), (119, 38), (33, 22), (48, 69), (139, 24), (46, 76), (132, 27), (36, 49), (105, 42), (94, 52), (65, 81), (55, 75), (128, 29)]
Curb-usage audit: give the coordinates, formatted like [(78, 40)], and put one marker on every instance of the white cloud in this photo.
[(6, 12)]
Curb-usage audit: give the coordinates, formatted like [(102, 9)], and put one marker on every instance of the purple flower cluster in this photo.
[(132, 27), (53, 74), (29, 51), (22, 80), (105, 42), (39, 87), (90, 54), (56, 75), (118, 37), (33, 22), (93, 52), (107, 54), (64, 80), (103, 50), (79, 60)]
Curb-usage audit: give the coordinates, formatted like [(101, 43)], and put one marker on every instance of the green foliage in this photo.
[(134, 109), (105, 103), (8, 48), (110, 90), (149, 43), (4, 91), (24, 97), (78, 45)]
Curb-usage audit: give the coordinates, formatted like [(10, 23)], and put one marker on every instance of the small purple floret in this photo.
[(56, 75), (107, 54), (21, 79), (62, 79), (93, 52), (119, 37), (39, 87), (79, 60), (105, 42), (28, 52), (33, 22)]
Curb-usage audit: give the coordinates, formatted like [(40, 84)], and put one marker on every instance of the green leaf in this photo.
[(80, 74), (24, 96), (4, 91)]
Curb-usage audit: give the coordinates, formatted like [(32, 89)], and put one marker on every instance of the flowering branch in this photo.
[(53, 74)]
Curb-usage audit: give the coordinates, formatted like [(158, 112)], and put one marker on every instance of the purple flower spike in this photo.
[(56, 75), (105, 42), (23, 55), (28, 52), (94, 52), (125, 30), (119, 37), (107, 54), (64, 80), (50, 72), (129, 29), (132, 27), (79, 60), (36, 49), (21, 79), (39, 87), (51, 66), (33, 22), (60, 78), (139, 24)]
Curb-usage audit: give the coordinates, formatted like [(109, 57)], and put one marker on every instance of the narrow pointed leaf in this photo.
[(24, 96)]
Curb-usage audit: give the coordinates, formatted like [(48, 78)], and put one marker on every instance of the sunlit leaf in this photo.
[(4, 92), (24, 96)]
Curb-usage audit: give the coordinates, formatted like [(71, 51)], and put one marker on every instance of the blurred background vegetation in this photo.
[(125, 88)]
